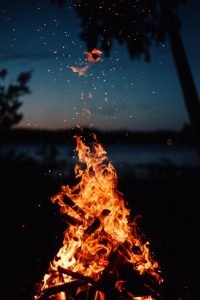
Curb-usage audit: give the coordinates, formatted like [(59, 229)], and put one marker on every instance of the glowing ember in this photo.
[(94, 55), (99, 238), (81, 71)]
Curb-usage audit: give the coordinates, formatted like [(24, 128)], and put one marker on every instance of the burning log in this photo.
[(96, 223), (74, 206), (130, 281), (137, 250), (59, 288), (109, 274), (124, 252), (71, 220), (76, 275), (93, 227)]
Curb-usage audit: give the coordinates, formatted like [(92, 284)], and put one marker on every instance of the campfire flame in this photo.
[(100, 236)]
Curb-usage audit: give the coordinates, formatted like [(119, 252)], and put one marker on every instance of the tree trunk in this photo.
[(184, 72)]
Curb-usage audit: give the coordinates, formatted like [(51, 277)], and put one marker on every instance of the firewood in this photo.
[(122, 250), (134, 283), (105, 212), (70, 220), (59, 288), (136, 250), (109, 274), (152, 284), (97, 222), (73, 205), (93, 227), (76, 275)]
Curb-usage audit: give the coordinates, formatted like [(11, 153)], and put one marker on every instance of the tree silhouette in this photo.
[(9, 99), (139, 24)]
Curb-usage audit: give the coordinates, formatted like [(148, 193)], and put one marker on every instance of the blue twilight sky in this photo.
[(117, 93)]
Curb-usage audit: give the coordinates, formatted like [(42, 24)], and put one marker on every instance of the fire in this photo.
[(99, 237), (93, 55)]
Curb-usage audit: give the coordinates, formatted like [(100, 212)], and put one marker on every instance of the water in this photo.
[(119, 154), (147, 154)]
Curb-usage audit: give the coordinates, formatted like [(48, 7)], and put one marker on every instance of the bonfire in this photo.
[(103, 256)]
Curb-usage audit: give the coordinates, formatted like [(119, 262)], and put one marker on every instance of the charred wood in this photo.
[(109, 275), (73, 205), (124, 252), (96, 223), (93, 227), (76, 275), (70, 220), (59, 288)]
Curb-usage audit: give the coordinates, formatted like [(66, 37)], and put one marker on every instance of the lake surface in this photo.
[(119, 154)]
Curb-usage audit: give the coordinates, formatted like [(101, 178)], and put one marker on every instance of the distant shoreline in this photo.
[(63, 136)]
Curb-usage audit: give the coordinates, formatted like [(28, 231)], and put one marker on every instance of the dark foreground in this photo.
[(31, 229)]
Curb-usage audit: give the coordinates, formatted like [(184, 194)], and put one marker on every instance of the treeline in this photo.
[(63, 136)]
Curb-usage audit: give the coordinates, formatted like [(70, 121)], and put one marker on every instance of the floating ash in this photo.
[(103, 256)]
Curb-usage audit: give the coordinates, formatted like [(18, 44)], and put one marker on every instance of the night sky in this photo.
[(116, 93)]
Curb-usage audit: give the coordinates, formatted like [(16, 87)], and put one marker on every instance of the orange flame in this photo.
[(98, 225), (93, 55)]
